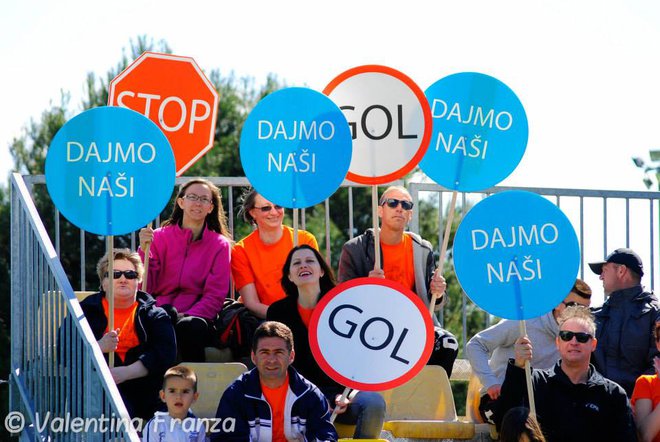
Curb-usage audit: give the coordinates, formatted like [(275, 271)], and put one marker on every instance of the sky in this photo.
[(587, 72)]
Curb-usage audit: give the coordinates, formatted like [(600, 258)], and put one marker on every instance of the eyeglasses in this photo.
[(128, 274), (393, 203), (570, 303), (568, 336), (194, 198), (266, 209)]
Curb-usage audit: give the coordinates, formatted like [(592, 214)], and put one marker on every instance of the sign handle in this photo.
[(295, 227), (111, 292), (347, 395), (528, 375), (374, 212), (445, 244), (146, 262)]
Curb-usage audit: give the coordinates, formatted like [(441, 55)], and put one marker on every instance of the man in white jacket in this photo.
[(489, 350)]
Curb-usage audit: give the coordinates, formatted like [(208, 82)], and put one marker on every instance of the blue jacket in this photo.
[(624, 329), (307, 415)]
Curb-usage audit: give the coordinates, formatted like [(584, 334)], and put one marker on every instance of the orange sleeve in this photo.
[(241, 270), (642, 389)]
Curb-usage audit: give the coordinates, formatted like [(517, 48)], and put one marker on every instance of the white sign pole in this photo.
[(110, 294), (528, 376), (146, 262), (374, 211), (445, 244)]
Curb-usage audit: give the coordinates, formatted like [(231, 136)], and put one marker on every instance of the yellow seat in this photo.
[(424, 408), (212, 380), (473, 399)]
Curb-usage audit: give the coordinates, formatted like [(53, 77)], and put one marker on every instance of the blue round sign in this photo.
[(110, 170), (516, 255), (479, 132), (296, 147)]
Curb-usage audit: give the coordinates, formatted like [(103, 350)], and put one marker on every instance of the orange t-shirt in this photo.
[(252, 261), (647, 387), (305, 314), (398, 262), (276, 398), (125, 321)]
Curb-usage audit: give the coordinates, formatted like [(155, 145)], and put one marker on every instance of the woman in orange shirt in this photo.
[(257, 259), (646, 397), (142, 337)]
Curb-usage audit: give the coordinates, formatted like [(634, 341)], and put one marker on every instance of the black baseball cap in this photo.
[(622, 256)]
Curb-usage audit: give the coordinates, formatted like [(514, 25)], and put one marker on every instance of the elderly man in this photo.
[(573, 401), (405, 258), (626, 320), (272, 402), (490, 350)]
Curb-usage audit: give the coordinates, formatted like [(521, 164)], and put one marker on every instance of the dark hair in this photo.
[(183, 372), (327, 281), (656, 331), (516, 422), (581, 289), (272, 329), (216, 221), (247, 204)]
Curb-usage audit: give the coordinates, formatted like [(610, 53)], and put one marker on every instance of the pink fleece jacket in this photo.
[(193, 276)]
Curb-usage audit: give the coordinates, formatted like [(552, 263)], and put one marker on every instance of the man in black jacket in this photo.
[(625, 322), (573, 401)]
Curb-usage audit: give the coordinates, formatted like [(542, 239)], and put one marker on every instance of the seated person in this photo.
[(489, 351), (573, 401), (646, 397), (189, 265), (178, 423), (272, 402), (257, 259), (405, 258), (143, 338), (307, 278)]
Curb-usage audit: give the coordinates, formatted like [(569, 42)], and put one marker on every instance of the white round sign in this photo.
[(371, 334)]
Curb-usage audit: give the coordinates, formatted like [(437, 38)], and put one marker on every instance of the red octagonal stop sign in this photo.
[(174, 93)]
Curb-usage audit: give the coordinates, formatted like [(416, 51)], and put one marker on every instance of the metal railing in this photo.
[(603, 220), (60, 383)]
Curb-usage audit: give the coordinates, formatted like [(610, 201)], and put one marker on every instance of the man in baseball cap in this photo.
[(625, 322)]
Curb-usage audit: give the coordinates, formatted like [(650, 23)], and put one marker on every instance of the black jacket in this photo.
[(624, 329), (286, 311), (157, 350), (598, 410)]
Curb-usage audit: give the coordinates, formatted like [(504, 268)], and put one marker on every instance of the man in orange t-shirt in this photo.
[(405, 258), (257, 259), (273, 401)]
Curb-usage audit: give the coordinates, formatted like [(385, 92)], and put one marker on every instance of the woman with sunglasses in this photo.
[(142, 339), (189, 265), (306, 279), (257, 259), (646, 397)]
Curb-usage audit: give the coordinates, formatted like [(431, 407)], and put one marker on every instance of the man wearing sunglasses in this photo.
[(574, 402), (626, 320), (405, 258), (490, 350)]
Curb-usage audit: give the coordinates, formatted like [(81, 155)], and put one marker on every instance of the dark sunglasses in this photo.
[(568, 336), (570, 303), (128, 274), (266, 209), (393, 203)]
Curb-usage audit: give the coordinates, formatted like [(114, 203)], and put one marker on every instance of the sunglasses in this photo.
[(128, 274), (393, 203), (570, 303), (266, 209), (568, 336)]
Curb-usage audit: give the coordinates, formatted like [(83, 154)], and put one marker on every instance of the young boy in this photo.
[(178, 424)]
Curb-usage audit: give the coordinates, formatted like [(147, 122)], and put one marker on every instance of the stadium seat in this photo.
[(424, 408), (212, 380)]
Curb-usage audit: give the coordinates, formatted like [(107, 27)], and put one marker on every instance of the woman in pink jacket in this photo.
[(189, 264)]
